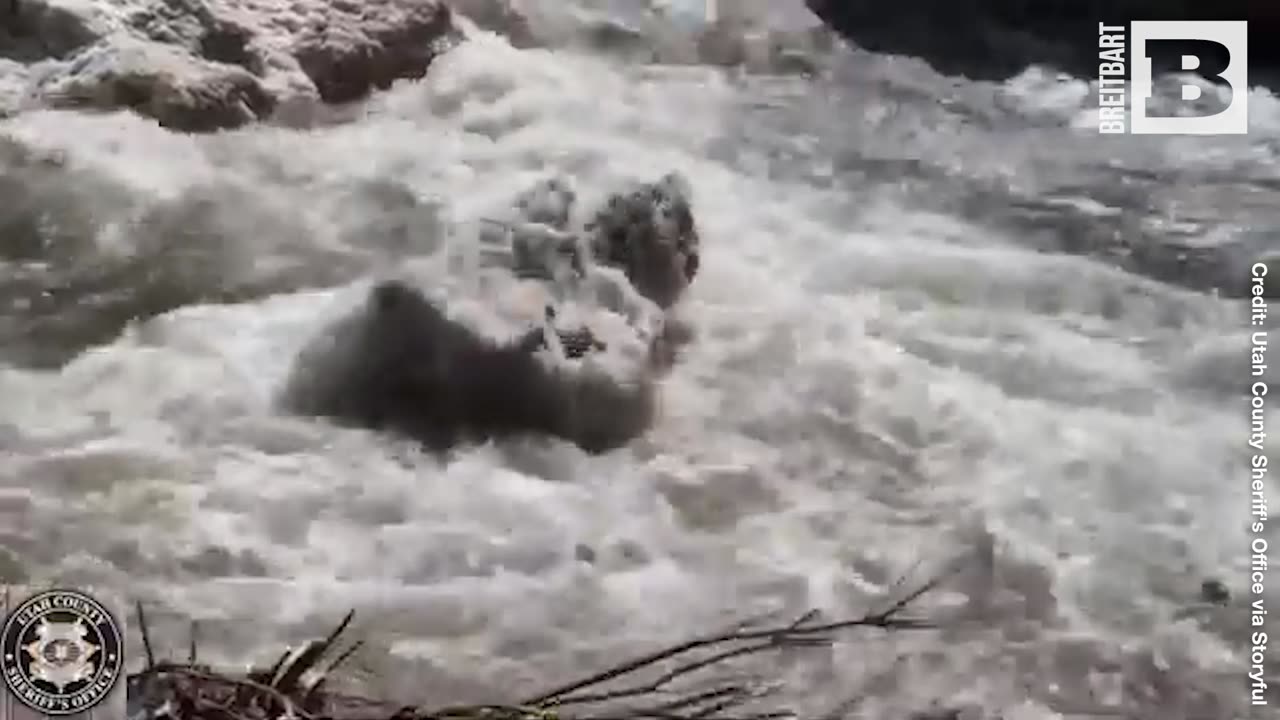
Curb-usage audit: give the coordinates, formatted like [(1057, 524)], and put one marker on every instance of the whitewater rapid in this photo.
[(897, 367)]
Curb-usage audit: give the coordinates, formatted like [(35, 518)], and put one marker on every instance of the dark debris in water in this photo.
[(649, 687), (1215, 591)]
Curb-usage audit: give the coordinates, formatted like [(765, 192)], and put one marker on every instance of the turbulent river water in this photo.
[(938, 322)]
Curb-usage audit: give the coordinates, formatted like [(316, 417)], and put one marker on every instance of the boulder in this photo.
[(353, 46), (400, 364), (161, 82), (997, 39), (633, 258), (646, 232), (650, 234), (201, 65)]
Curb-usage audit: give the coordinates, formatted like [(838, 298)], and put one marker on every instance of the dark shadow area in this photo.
[(997, 39)]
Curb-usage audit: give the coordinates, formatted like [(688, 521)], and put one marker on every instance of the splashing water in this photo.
[(935, 320)]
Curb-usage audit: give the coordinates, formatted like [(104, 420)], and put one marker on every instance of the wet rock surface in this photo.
[(401, 364), (995, 40), (646, 231), (650, 233), (198, 66)]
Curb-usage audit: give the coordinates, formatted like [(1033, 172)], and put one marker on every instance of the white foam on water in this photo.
[(869, 389)]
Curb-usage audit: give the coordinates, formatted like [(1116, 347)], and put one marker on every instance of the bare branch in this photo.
[(146, 636), (278, 693)]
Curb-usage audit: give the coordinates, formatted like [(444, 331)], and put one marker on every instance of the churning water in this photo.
[(937, 321)]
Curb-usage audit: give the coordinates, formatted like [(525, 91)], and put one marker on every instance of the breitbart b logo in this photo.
[(60, 652), (1216, 50)]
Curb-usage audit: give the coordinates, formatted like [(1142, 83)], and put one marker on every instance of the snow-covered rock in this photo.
[(200, 65)]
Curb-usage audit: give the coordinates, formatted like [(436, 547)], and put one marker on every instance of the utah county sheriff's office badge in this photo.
[(60, 652)]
